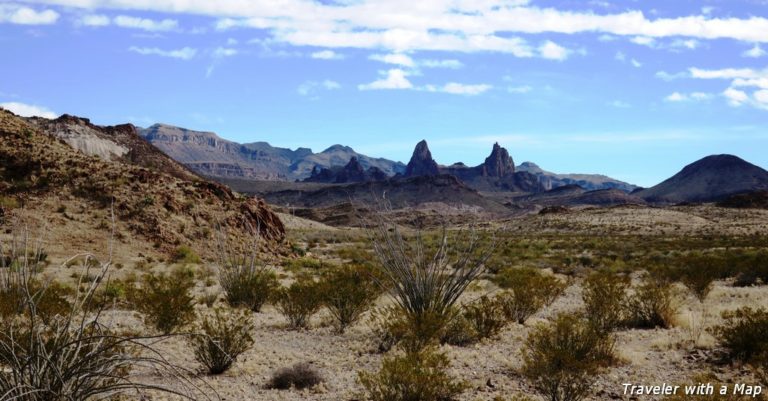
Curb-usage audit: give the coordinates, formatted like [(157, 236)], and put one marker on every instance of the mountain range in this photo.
[(209, 155)]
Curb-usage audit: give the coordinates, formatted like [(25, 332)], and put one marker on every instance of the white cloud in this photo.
[(327, 55), (397, 59), (393, 79), (519, 89), (643, 41), (185, 53), (742, 81), (231, 42), (311, 87), (15, 14), (95, 20), (755, 52), (735, 97), (687, 97), (636, 63), (666, 76), (454, 64), (146, 24), (690, 44), (552, 51), (620, 56), (221, 52), (28, 110), (455, 88)]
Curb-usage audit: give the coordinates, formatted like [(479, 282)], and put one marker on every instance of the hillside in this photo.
[(709, 179), (156, 201), (589, 182), (209, 155)]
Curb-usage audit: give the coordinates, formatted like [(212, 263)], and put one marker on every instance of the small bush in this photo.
[(389, 326), (299, 376), (209, 299), (605, 298), (562, 359), (221, 338), (486, 316), (247, 286), (349, 292), (653, 304), (165, 300), (299, 302), (460, 332), (49, 300), (185, 254), (528, 292), (303, 263), (744, 333), (414, 376)]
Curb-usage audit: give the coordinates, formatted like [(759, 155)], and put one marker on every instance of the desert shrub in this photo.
[(185, 254), (47, 299), (220, 338), (486, 316), (209, 299), (427, 275), (303, 262), (74, 356), (349, 292), (299, 376), (562, 359), (165, 299), (605, 298), (414, 376), (460, 332), (247, 284), (389, 327), (744, 333), (528, 291), (653, 304), (299, 301)]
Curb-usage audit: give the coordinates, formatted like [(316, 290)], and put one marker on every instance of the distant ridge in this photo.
[(709, 179), (210, 155)]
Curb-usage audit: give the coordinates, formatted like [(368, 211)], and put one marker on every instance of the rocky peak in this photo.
[(421, 161), (499, 163)]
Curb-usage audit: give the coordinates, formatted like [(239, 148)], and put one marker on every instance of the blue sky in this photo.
[(631, 89)]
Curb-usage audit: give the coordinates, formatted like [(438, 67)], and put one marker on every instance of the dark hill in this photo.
[(710, 179)]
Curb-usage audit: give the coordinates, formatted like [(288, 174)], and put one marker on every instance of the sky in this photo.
[(631, 89)]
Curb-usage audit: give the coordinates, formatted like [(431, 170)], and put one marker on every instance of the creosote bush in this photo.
[(653, 304), (605, 297), (165, 300), (486, 316), (185, 254), (299, 376), (528, 290), (563, 358), (299, 301), (744, 333), (220, 338), (348, 291), (413, 376), (245, 282)]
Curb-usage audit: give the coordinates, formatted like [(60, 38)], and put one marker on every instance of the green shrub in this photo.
[(460, 332), (299, 302), (221, 338), (303, 262), (562, 359), (349, 292), (49, 299), (605, 298), (165, 299), (486, 316), (528, 292), (389, 326), (653, 304), (247, 286), (744, 333), (185, 254), (414, 376), (299, 376)]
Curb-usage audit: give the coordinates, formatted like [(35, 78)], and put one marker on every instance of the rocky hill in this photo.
[(709, 179), (496, 173), (589, 182), (351, 172), (209, 155), (70, 171)]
